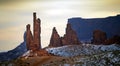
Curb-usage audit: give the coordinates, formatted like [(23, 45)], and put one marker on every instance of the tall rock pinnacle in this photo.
[(70, 38), (29, 38), (36, 31), (55, 40), (34, 42)]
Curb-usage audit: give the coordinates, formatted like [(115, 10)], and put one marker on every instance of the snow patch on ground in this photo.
[(83, 49)]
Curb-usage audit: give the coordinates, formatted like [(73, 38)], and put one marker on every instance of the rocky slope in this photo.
[(87, 55), (15, 53)]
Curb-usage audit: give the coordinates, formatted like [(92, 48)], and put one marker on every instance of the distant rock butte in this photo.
[(84, 27), (99, 37), (113, 40), (70, 38)]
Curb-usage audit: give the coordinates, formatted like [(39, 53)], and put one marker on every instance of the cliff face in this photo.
[(70, 38), (85, 27), (33, 41)]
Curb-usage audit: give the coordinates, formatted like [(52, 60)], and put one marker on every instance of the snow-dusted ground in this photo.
[(88, 55), (84, 49)]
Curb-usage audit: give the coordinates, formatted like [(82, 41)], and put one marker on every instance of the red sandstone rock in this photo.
[(36, 33), (99, 37), (70, 38), (114, 40), (29, 37), (55, 40), (34, 42)]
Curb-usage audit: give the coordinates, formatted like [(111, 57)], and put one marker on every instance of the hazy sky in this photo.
[(16, 14)]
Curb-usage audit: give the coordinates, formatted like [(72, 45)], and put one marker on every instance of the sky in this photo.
[(16, 14)]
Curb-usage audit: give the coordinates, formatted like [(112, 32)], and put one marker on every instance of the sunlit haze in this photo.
[(16, 14)]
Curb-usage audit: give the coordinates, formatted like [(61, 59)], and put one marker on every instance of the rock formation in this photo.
[(99, 37), (85, 26), (70, 38), (29, 37), (114, 40), (55, 40), (36, 31), (33, 41)]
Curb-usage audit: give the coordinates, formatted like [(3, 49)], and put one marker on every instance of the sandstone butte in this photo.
[(99, 37)]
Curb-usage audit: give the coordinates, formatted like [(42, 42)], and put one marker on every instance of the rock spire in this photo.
[(55, 40), (70, 38), (33, 42)]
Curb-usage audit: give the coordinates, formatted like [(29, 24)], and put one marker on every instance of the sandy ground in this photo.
[(43, 60)]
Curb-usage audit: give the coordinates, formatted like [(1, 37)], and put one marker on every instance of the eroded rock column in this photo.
[(36, 32), (29, 38), (33, 42)]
